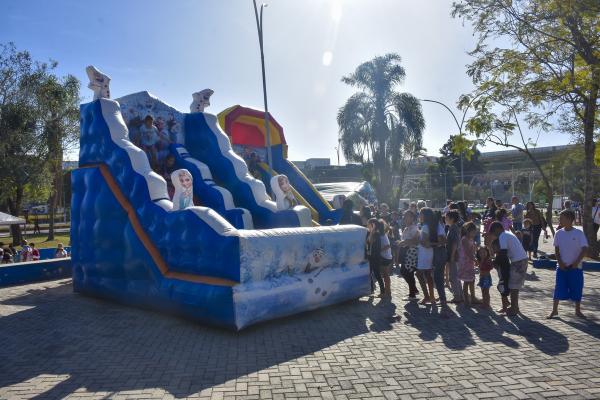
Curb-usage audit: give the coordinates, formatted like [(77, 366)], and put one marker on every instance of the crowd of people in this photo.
[(453, 248), (29, 252)]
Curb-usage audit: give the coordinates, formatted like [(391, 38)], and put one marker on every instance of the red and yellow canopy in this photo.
[(246, 127)]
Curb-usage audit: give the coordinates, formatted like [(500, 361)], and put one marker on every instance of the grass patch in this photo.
[(40, 240)]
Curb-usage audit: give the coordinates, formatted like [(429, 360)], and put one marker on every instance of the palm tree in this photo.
[(378, 124)]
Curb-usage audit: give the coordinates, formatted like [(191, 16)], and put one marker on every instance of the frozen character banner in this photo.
[(281, 188), (184, 189)]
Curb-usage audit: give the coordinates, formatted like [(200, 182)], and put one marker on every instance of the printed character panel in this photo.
[(265, 255), (286, 295)]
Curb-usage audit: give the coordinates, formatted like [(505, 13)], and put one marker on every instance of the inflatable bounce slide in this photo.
[(165, 215), (246, 130)]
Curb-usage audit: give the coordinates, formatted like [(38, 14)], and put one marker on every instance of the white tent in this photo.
[(7, 219)]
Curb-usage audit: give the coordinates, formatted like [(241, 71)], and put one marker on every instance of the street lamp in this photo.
[(462, 176), (259, 28)]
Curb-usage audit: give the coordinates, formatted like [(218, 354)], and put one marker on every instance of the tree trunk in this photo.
[(14, 206), (52, 209), (56, 156), (588, 186), (549, 189)]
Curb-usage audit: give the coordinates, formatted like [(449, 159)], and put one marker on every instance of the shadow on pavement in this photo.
[(541, 336), (106, 347), (453, 332)]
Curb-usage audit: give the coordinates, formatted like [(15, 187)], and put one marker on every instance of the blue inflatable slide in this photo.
[(231, 260)]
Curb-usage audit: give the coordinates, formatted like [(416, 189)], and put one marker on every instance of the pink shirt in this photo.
[(466, 254)]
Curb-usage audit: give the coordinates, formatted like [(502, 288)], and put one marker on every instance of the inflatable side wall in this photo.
[(206, 142), (128, 244)]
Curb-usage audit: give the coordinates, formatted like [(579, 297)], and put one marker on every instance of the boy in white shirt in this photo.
[(571, 246), (512, 255)]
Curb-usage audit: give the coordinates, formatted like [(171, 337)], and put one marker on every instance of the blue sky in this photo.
[(178, 47)]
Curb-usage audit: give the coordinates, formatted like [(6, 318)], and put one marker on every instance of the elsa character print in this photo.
[(285, 198), (184, 193)]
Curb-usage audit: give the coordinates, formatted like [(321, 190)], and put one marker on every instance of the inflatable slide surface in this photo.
[(132, 244), (246, 130)]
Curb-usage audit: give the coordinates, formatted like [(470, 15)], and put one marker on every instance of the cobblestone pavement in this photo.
[(57, 344)]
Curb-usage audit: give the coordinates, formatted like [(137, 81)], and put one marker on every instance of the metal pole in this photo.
[(259, 27), (462, 178)]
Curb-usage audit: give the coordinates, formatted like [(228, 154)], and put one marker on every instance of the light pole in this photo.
[(462, 176), (259, 27)]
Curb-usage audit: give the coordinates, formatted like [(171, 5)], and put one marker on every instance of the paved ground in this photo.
[(56, 344)]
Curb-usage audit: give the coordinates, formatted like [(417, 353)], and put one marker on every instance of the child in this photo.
[(452, 243), (374, 255), (26, 254), (386, 257), (466, 261), (7, 256), (502, 217), (35, 253), (60, 251), (503, 270), (428, 237), (527, 237), (484, 260), (410, 239), (148, 139), (570, 245)]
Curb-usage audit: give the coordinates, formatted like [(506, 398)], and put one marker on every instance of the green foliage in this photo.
[(451, 150), (379, 124), (461, 145), (39, 117), (38, 192), (539, 61)]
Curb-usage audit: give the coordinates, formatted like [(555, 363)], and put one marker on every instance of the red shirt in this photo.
[(35, 254), (486, 265)]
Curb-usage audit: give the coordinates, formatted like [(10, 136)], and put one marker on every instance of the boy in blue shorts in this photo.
[(571, 246)]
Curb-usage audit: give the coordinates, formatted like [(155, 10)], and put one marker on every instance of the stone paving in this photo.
[(57, 344)]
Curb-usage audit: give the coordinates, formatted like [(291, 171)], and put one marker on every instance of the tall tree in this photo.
[(548, 71), (58, 104), (22, 149), (379, 124), (498, 127)]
